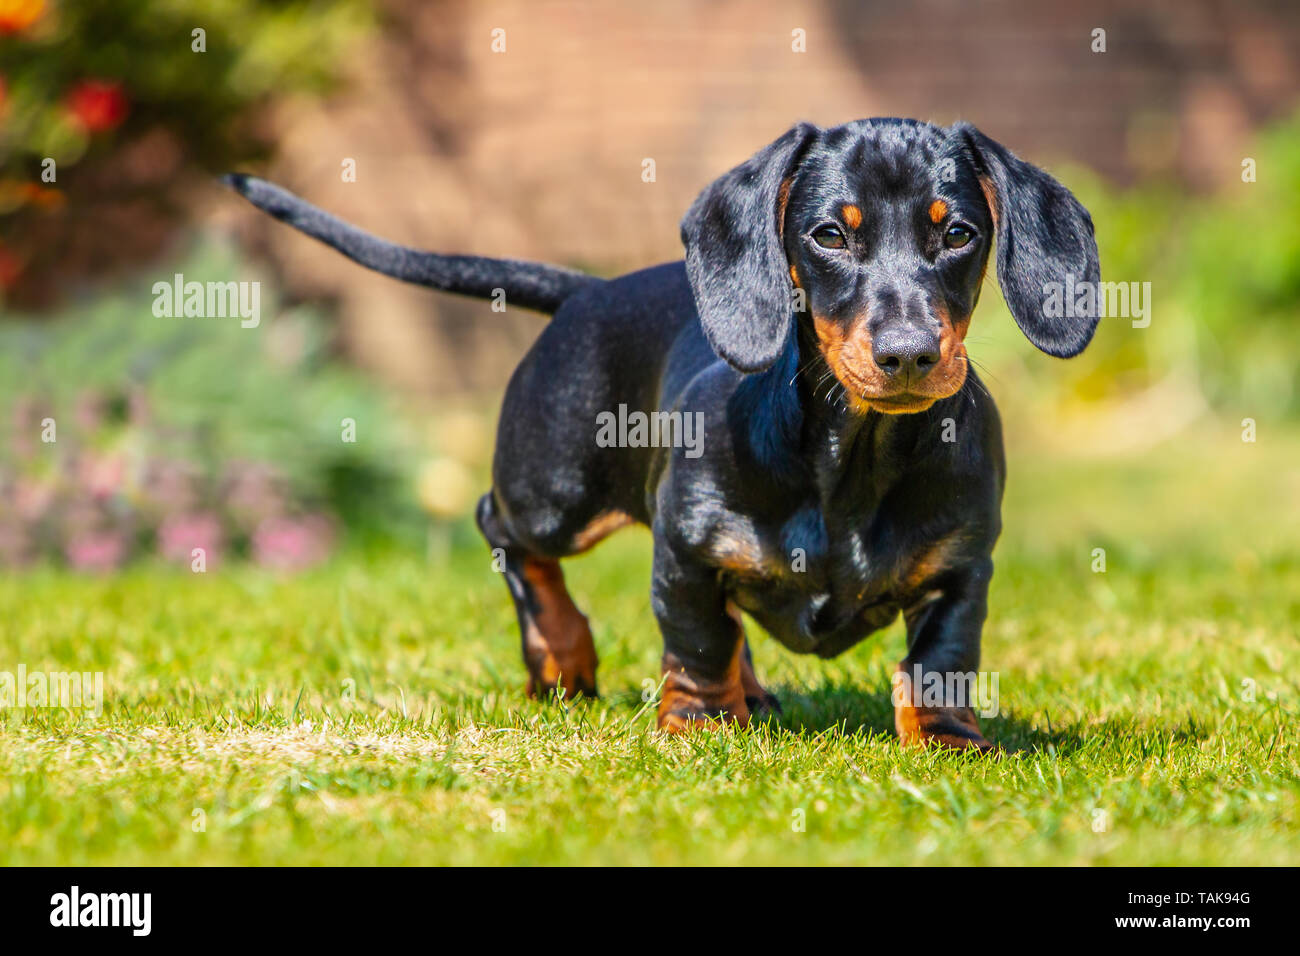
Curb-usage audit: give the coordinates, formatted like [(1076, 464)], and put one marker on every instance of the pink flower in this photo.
[(291, 543), (102, 476), (88, 410), (15, 544), (96, 550), (170, 486), (26, 417), (32, 498), (179, 535), (139, 411), (253, 493)]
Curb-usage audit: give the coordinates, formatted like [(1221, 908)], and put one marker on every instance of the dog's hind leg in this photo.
[(557, 646)]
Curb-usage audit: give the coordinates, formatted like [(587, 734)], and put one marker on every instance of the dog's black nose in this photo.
[(906, 353)]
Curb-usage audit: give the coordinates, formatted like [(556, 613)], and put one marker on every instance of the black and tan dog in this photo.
[(851, 466)]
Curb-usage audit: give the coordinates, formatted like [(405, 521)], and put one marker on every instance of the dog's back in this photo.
[(629, 342)]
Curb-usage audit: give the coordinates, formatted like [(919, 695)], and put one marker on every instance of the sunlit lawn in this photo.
[(372, 711)]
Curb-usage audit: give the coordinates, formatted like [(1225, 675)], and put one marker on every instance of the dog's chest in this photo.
[(815, 589)]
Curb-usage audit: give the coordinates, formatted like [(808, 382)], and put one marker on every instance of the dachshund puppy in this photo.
[(846, 464)]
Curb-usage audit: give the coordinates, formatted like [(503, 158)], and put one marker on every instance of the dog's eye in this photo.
[(828, 237), (957, 236)]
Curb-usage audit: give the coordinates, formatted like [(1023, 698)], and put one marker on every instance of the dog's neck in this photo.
[(841, 435), (801, 429)]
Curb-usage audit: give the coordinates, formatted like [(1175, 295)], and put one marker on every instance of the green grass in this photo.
[(228, 705)]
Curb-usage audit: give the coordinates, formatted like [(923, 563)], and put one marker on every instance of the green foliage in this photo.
[(1239, 274), (142, 51), (1225, 286), (210, 394)]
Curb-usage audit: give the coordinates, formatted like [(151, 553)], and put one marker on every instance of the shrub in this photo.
[(171, 434)]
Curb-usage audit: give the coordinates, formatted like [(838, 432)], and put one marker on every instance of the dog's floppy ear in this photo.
[(1043, 235), (735, 259)]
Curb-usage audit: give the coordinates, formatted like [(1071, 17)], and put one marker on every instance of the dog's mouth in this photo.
[(902, 402), (871, 387)]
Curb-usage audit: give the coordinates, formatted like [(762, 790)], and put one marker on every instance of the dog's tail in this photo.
[(532, 285)]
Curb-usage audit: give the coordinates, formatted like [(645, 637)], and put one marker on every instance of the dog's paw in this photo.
[(563, 686), (954, 728), (694, 705), (763, 706), (681, 720)]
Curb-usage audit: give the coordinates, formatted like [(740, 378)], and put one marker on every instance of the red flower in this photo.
[(98, 105)]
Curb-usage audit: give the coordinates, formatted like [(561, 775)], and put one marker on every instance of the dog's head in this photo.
[(876, 235)]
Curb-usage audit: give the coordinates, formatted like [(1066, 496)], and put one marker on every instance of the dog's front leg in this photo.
[(704, 644), (935, 684)]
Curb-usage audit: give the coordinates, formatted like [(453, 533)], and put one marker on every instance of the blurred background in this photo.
[(520, 129)]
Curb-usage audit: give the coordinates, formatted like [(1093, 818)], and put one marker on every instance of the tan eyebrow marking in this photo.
[(852, 216), (990, 196), (782, 199), (938, 209)]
